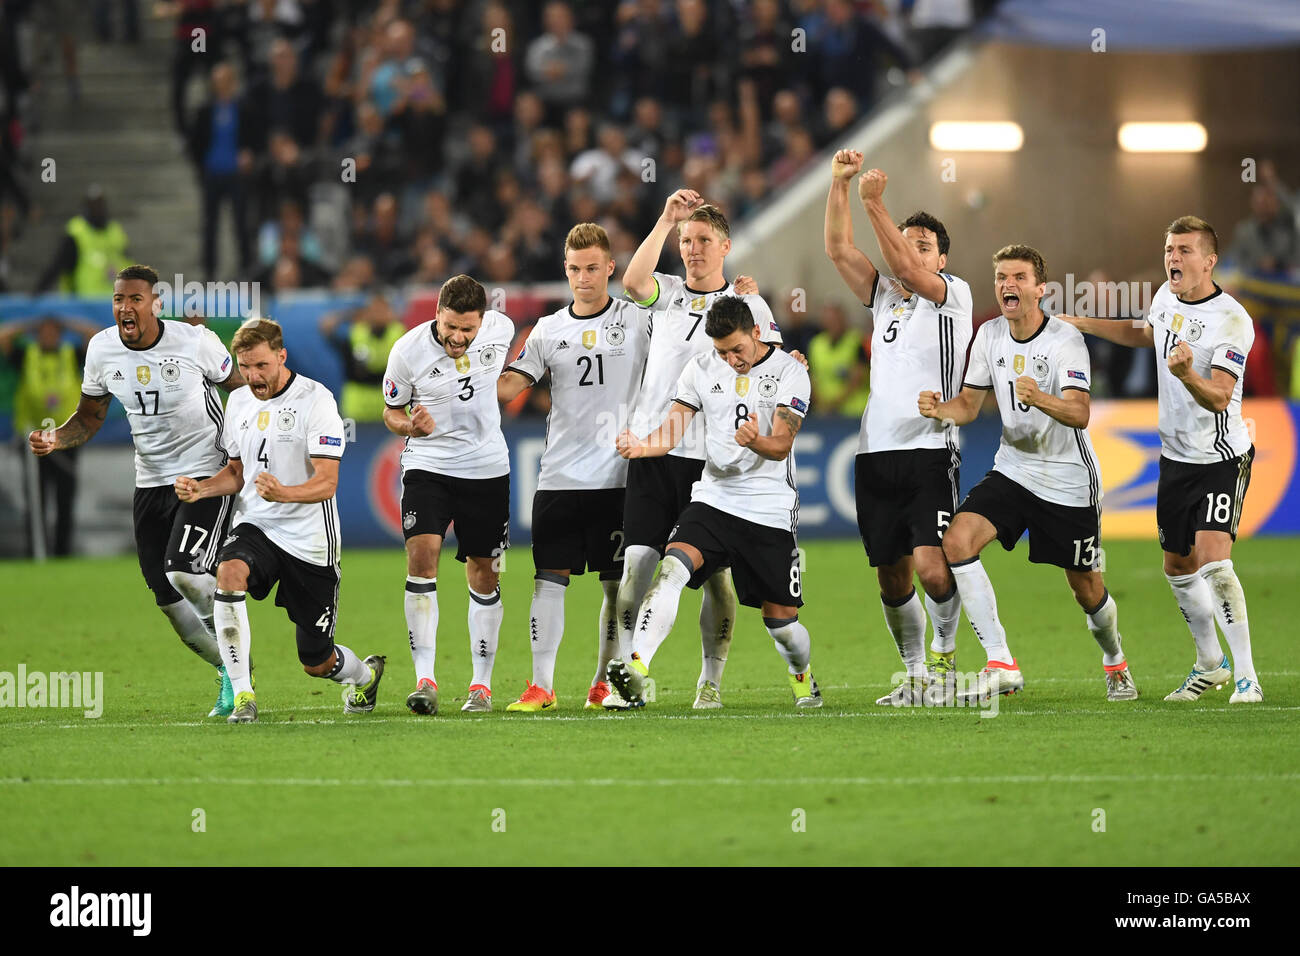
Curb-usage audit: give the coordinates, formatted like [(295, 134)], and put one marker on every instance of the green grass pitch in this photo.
[(755, 783)]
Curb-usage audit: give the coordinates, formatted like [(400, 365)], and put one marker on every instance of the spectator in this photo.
[(284, 173), (290, 269), (194, 19), (420, 117), (90, 254), (598, 169), (49, 388), (377, 149), (850, 51), (384, 244), (384, 86), (476, 179), (491, 77), (103, 15), (289, 225), (699, 73), (432, 270), (839, 113), (560, 61), (1265, 243), (363, 340), (798, 151), (766, 55), (357, 275), (257, 24), (529, 114), (839, 364), (221, 149), (936, 23), (285, 100)]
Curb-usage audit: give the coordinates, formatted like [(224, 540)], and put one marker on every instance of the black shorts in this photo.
[(309, 592), (172, 535), (1067, 537), (579, 530), (479, 506), (905, 500), (1192, 498), (658, 491), (764, 561)]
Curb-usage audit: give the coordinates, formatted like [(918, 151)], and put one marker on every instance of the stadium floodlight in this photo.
[(1162, 137), (993, 137)]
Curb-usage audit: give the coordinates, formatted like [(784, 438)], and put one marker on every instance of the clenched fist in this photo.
[(421, 422), (927, 403), (846, 164), (747, 433)]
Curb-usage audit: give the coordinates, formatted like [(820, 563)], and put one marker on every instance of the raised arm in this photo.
[(900, 255), (960, 410), (77, 430), (1133, 333), (660, 441), (637, 278), (850, 262)]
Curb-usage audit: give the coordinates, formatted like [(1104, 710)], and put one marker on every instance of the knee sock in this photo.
[(1196, 601), (421, 603), (981, 606), (659, 609), (485, 614), (792, 642), (639, 564), (717, 624), (546, 626), (1230, 609), (905, 619), (234, 639)]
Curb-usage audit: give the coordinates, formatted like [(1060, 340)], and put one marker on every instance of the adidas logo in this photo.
[(435, 373), (118, 376), (563, 345), (1002, 363), (716, 389)]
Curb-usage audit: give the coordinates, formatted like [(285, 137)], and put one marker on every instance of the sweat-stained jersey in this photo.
[(460, 394), (676, 335), (735, 479), (1220, 334), (281, 435), (170, 395), (1051, 460), (595, 363)]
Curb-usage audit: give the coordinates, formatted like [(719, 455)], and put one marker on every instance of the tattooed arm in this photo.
[(776, 446), (77, 430)]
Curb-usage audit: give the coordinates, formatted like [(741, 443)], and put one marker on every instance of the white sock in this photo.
[(1103, 621), (793, 642), (348, 667), (198, 590), (192, 631), (639, 563), (981, 606), (1196, 601), (421, 603), (945, 615), (906, 622), (607, 641), (1230, 609), (717, 624), (231, 616), (659, 609), (485, 613), (546, 626)]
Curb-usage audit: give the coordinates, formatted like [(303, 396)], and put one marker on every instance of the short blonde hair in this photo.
[(1024, 253), (256, 331), (1186, 224), (586, 235), (712, 215)]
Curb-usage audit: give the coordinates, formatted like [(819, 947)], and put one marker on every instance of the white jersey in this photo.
[(170, 396), (1220, 334), (737, 480), (282, 435), (460, 394), (595, 363), (1051, 460), (677, 334), (916, 346)]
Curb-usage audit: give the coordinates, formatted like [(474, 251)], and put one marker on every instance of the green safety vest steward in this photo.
[(101, 253), (50, 387), (364, 401), (831, 364)]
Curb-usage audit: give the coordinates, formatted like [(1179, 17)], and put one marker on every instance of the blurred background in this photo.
[(331, 162)]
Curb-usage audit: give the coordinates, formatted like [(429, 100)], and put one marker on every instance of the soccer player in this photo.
[(455, 468), (906, 474), (659, 488), (594, 349), (1045, 476), (1202, 336), (166, 375), (744, 510), (284, 438)]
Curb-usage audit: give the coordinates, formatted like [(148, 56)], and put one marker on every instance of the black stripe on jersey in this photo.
[(218, 532), (954, 464), (331, 537), (1222, 368), (945, 356), (1094, 498), (986, 388), (511, 368), (212, 403), (789, 480), (1221, 435), (1075, 388), (685, 404), (1239, 498)]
